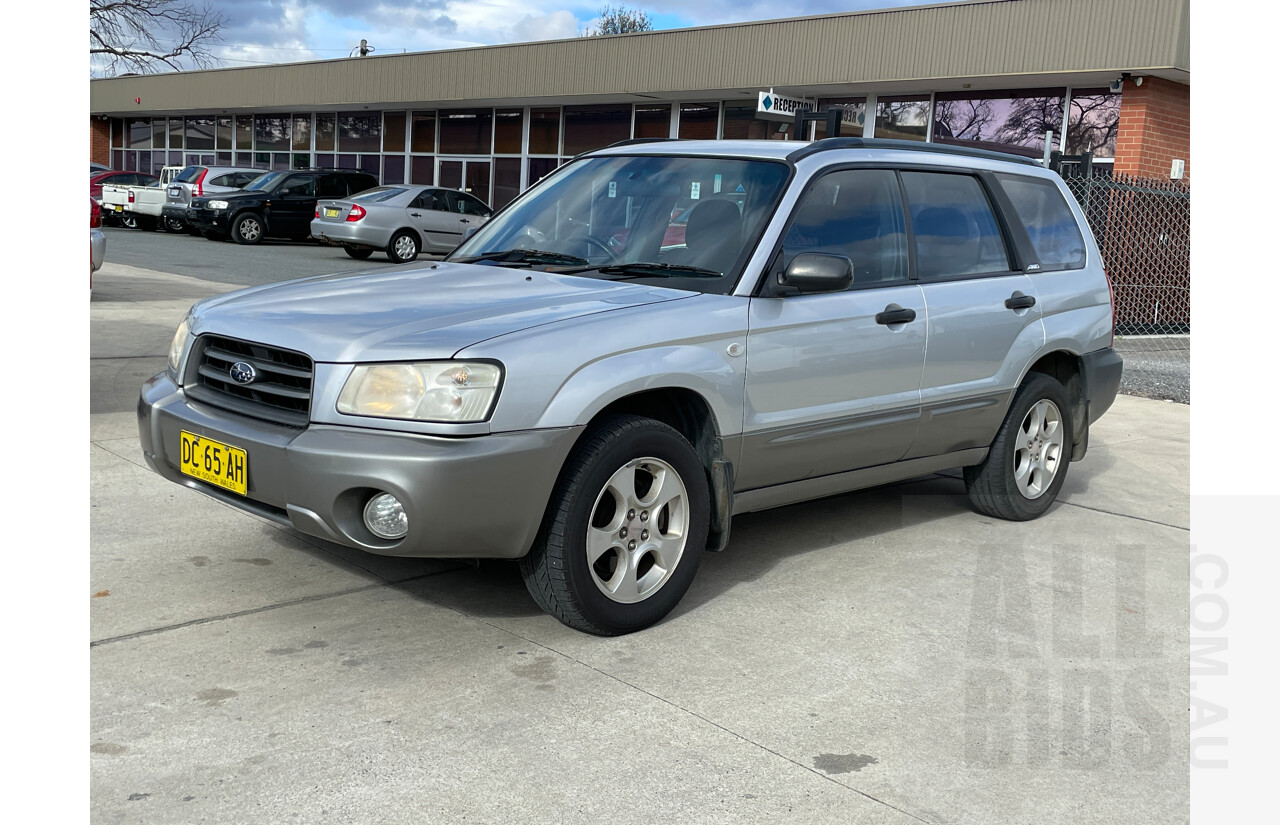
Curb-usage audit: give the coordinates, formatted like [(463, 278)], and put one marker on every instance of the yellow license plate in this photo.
[(330, 213), (215, 462), (117, 207)]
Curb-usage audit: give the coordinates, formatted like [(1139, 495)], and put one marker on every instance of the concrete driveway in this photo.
[(880, 657)]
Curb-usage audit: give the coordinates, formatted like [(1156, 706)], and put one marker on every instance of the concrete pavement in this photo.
[(881, 657)]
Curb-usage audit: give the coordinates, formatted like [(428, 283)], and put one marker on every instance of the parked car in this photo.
[(198, 181), (97, 241), (279, 204), (399, 220), (866, 312), (118, 178), (138, 207)]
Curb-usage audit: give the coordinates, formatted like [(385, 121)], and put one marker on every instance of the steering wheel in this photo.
[(603, 246)]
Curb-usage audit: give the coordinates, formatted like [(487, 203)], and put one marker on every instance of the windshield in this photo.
[(189, 174), (265, 182), (685, 222)]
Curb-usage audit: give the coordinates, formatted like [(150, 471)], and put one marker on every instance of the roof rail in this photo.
[(827, 144)]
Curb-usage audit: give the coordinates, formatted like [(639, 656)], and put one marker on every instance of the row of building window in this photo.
[(405, 146)]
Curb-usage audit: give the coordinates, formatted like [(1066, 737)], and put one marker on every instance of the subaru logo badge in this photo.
[(242, 372)]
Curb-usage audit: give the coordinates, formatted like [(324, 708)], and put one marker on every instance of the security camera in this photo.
[(1116, 86)]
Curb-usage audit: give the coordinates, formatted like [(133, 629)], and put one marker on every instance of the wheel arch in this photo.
[(690, 414), (1067, 369)]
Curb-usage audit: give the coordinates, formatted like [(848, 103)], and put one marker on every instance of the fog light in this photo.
[(385, 517)]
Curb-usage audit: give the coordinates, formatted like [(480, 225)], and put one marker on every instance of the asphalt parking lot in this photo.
[(879, 657)]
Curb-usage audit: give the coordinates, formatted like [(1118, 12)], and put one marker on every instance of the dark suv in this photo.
[(279, 204)]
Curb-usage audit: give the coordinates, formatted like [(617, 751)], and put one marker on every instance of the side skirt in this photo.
[(794, 492)]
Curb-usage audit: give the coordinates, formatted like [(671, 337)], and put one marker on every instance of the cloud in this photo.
[(555, 26)]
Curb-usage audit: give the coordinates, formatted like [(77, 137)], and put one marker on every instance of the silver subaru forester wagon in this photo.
[(653, 338)]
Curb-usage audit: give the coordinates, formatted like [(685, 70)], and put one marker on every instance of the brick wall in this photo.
[(1155, 128), (100, 141)]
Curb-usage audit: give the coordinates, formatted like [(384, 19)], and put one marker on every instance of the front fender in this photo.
[(700, 369)]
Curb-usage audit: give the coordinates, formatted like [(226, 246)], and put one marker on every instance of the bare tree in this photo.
[(621, 20), (146, 35), (962, 119)]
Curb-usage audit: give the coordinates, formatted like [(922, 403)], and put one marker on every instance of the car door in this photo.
[(471, 211), (293, 205), (984, 320), (833, 379), (431, 213)]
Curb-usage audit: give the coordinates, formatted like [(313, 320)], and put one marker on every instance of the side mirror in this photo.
[(811, 272)]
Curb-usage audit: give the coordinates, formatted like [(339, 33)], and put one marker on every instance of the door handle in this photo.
[(464, 220), (1019, 301), (416, 214), (894, 314)]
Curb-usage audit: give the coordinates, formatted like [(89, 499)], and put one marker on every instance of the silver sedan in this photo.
[(400, 220)]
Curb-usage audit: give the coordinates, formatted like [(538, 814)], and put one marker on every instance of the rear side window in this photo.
[(224, 180), (955, 228), (189, 174), (1048, 220)]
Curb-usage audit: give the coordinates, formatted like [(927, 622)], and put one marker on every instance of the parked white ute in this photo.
[(139, 207)]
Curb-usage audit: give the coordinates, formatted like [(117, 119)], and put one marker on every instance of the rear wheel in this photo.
[(128, 220), (357, 252), (247, 228), (403, 247), (1028, 460), (624, 531), (174, 225)]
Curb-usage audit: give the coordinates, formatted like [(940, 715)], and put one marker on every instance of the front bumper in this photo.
[(208, 220), (480, 497)]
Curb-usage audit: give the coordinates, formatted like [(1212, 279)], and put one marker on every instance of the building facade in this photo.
[(1107, 77)]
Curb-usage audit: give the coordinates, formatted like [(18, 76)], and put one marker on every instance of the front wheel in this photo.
[(357, 252), (247, 229), (1027, 463), (625, 529)]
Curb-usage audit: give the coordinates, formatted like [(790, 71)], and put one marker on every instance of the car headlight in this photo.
[(453, 391), (217, 204), (179, 344)]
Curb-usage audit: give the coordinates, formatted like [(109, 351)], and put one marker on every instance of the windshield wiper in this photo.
[(644, 269), (521, 255)]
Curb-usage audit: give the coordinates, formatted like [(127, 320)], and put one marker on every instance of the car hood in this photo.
[(399, 314)]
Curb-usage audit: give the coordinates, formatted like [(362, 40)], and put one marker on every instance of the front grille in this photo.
[(281, 392)]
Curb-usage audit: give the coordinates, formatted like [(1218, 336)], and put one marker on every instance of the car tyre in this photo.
[(128, 221), (247, 228), (357, 252), (624, 531), (174, 225), (403, 247), (1027, 463)]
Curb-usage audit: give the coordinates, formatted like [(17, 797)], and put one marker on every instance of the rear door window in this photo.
[(955, 227), (1048, 219), (332, 186)]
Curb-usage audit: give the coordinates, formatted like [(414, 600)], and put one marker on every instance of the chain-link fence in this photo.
[(1143, 229)]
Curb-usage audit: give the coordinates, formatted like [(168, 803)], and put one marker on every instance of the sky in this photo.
[(287, 31)]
